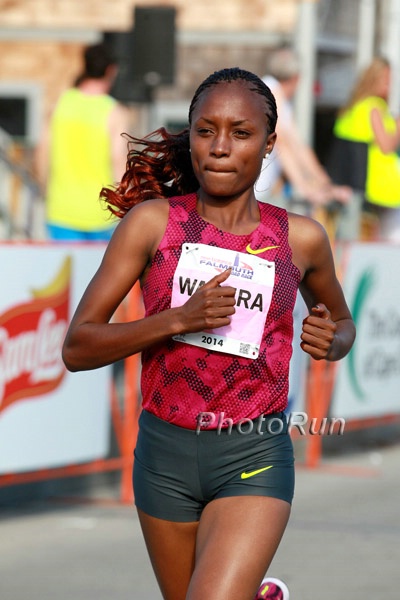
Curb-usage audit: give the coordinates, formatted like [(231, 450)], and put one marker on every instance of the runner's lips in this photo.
[(213, 170)]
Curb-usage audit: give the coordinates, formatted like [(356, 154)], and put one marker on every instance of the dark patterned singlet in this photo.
[(180, 381)]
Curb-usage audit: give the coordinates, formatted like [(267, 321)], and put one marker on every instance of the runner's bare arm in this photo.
[(328, 331), (92, 341)]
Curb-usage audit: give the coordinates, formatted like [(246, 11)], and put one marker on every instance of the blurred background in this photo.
[(164, 50)]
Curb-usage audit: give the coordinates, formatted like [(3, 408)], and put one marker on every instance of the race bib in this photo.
[(253, 278)]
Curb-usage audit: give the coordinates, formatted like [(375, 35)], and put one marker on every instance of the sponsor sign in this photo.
[(48, 417), (368, 379)]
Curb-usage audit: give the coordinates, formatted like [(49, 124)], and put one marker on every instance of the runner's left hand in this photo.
[(318, 332)]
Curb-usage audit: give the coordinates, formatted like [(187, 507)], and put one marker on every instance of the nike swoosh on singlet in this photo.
[(245, 475), (250, 250)]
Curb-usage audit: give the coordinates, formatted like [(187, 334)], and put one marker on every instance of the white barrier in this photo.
[(368, 379), (48, 417)]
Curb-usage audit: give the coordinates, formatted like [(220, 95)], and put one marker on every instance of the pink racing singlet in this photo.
[(181, 380)]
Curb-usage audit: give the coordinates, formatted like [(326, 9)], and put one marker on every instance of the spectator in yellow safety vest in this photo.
[(364, 150), (81, 150)]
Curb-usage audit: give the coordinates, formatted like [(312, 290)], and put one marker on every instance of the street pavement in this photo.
[(343, 539)]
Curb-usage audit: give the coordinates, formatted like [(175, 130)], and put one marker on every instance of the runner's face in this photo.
[(229, 138)]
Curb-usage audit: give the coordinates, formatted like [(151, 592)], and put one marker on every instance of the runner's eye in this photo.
[(204, 131), (242, 133)]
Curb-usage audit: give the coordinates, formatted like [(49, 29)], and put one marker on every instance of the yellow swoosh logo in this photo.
[(245, 475), (260, 250)]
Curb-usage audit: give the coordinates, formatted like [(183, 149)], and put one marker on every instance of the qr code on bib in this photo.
[(244, 348)]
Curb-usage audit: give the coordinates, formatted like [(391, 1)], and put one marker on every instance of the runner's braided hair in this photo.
[(159, 165)]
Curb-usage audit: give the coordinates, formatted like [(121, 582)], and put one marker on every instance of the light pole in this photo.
[(366, 33), (305, 44), (391, 50)]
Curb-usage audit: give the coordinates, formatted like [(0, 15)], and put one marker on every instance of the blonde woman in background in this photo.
[(364, 152)]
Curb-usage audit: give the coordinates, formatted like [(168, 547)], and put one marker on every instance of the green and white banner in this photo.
[(368, 379)]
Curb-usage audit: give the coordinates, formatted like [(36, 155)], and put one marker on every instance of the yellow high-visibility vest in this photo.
[(80, 161), (383, 170)]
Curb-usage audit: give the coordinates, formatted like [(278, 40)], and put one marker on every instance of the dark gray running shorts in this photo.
[(178, 471)]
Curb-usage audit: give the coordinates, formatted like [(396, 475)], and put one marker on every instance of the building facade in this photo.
[(41, 43)]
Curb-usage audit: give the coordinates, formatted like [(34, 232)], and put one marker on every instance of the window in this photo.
[(20, 114)]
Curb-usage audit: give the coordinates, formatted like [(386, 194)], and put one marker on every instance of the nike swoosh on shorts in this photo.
[(245, 475)]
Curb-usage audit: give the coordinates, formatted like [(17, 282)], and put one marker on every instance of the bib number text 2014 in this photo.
[(211, 341)]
